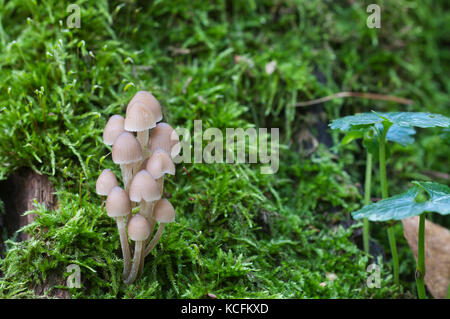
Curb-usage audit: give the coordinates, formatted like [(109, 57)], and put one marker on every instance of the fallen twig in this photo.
[(372, 96)]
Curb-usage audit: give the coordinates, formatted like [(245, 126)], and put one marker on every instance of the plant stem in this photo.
[(367, 195), (384, 194), (383, 175), (420, 271), (393, 245)]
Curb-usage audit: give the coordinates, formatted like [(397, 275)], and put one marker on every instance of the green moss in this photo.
[(238, 233), (217, 245)]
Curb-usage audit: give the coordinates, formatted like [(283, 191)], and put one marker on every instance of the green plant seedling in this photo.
[(396, 133), (423, 197), (381, 123), (448, 292)]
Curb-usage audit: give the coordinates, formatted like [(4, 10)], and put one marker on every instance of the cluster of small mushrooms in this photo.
[(144, 159)]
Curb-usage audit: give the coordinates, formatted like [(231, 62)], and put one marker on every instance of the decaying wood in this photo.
[(47, 289), (437, 253), (28, 188), (20, 192)]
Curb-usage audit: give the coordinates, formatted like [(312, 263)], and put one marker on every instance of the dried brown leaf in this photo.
[(437, 253)]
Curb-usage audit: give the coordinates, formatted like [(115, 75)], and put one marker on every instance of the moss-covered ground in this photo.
[(238, 233)]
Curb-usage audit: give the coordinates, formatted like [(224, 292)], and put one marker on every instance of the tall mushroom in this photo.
[(145, 190), (126, 151), (158, 164), (165, 137), (139, 231), (163, 213), (118, 206), (143, 112), (105, 182), (114, 127)]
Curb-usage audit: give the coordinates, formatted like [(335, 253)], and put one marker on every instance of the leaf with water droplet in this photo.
[(403, 119), (422, 197)]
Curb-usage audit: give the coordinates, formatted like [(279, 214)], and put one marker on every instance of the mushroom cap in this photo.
[(113, 128), (105, 182), (160, 163), (164, 211), (139, 117), (117, 203), (126, 149), (148, 99), (138, 228), (165, 137), (144, 187)]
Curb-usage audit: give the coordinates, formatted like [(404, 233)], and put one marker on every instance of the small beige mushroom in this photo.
[(139, 231), (126, 151), (165, 137), (105, 182), (159, 164), (114, 127), (118, 206), (163, 213), (143, 112), (150, 100), (144, 190)]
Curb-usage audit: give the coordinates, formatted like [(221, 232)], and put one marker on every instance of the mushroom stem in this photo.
[(125, 246), (151, 220), (127, 175), (141, 263), (147, 212), (136, 262), (160, 182), (152, 226), (142, 138), (146, 209), (152, 223), (155, 239)]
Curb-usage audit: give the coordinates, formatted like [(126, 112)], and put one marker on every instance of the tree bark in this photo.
[(19, 193)]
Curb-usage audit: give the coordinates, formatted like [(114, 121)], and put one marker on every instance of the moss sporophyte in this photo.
[(377, 129)]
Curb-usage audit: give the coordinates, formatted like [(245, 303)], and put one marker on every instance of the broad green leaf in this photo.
[(422, 197), (398, 134), (401, 135), (404, 119), (351, 136)]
